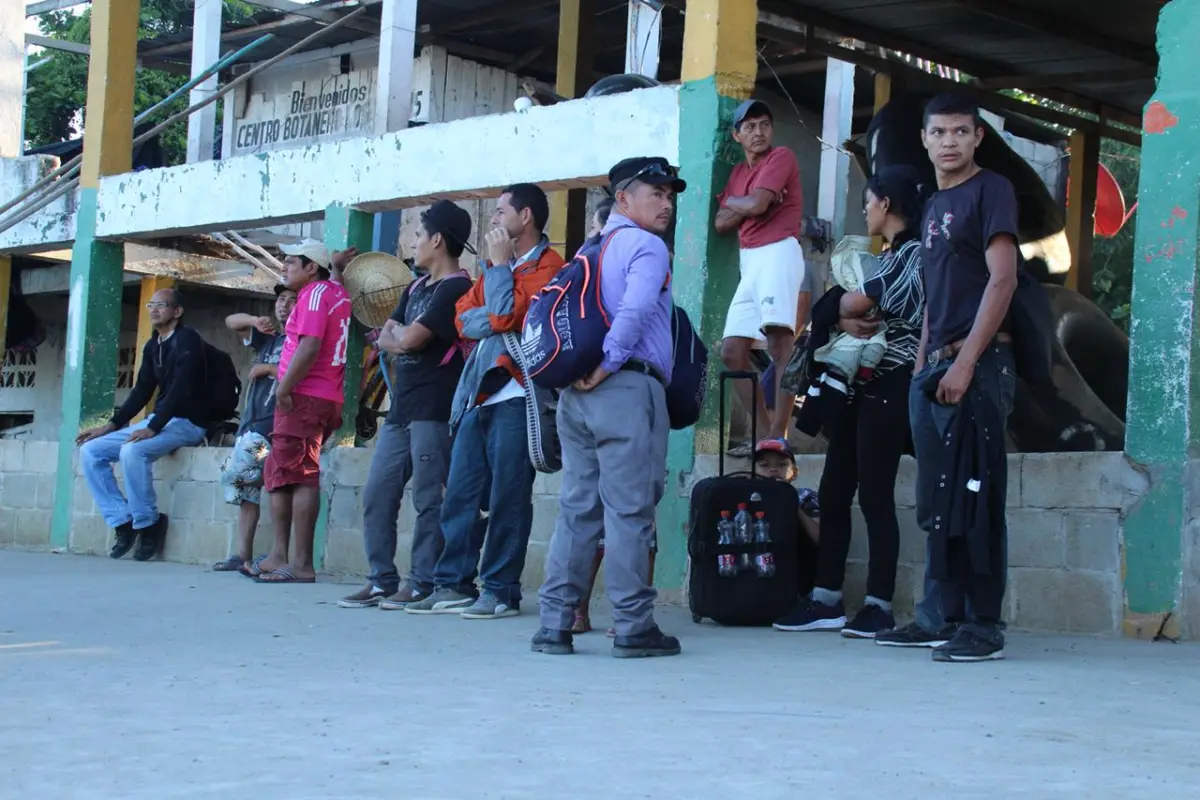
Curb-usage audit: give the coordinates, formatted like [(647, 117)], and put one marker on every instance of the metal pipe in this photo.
[(71, 165), (7, 223)]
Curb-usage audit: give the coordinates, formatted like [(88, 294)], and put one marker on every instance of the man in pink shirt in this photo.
[(308, 408)]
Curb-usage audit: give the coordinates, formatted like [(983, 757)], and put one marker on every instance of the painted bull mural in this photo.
[(1084, 409)]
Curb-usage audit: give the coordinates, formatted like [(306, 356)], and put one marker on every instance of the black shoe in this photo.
[(813, 616), (552, 642), (970, 646), (126, 538), (645, 645), (868, 622), (152, 540), (913, 635)]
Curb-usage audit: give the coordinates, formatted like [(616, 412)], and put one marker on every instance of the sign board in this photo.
[(304, 104)]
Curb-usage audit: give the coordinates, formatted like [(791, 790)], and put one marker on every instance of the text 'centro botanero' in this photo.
[(342, 105)]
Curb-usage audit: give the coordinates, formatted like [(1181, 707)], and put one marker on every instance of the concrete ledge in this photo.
[(407, 168), (49, 229)]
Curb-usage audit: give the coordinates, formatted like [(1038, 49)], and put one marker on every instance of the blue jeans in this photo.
[(490, 450), (137, 460), (996, 375)]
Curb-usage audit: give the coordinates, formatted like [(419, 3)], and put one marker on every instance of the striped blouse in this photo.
[(899, 291)]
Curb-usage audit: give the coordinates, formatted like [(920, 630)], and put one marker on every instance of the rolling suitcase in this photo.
[(742, 583)]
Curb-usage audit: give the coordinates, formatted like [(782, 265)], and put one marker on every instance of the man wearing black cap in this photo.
[(764, 204), (242, 472), (425, 362), (613, 427)]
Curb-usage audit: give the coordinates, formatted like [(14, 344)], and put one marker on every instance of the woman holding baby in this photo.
[(868, 436)]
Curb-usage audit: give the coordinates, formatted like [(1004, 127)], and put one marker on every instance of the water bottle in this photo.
[(741, 526), (743, 535), (726, 562), (764, 562), (725, 530), (762, 528)]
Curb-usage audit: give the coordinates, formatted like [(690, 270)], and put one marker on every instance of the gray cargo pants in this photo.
[(614, 448), (419, 451)]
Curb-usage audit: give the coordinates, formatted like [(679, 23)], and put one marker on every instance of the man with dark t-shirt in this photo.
[(242, 472), (414, 442), (964, 371)]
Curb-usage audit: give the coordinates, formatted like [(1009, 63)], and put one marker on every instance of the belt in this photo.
[(952, 349), (634, 365)]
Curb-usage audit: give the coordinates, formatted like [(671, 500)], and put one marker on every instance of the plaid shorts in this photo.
[(242, 472)]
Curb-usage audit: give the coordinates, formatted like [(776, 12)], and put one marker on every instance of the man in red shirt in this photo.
[(763, 203), (308, 408)]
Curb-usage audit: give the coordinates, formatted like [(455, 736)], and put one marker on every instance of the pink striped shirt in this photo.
[(323, 312)]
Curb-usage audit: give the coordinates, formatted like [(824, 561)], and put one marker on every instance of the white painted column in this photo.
[(397, 42), (644, 37), (834, 184), (12, 78), (206, 49)]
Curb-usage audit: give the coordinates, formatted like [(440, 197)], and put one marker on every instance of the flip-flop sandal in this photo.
[(231, 564), (282, 575), (582, 624), (251, 569), (611, 633)]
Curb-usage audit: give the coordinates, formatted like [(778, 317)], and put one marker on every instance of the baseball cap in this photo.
[(311, 249), (280, 288), (653, 170), (451, 221), (775, 446), (751, 105)]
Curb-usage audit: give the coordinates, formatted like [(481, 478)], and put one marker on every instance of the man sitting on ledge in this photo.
[(173, 364)]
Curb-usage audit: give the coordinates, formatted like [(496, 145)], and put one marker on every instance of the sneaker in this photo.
[(870, 620), (442, 601), (970, 646), (124, 542), (552, 643), (151, 544), (913, 635), (403, 598), (368, 596), (813, 616), (488, 606), (646, 644)]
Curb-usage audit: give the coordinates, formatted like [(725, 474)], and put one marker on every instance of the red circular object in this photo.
[(1110, 204)]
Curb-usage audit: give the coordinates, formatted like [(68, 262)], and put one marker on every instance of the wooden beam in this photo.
[(1081, 208), (1042, 80), (1076, 31), (5, 288)]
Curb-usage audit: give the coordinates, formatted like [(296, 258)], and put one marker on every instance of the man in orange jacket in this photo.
[(489, 462)]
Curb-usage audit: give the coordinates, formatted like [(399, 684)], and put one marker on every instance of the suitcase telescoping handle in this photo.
[(737, 375)]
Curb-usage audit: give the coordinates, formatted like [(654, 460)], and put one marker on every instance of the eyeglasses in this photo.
[(655, 170), (156, 305)]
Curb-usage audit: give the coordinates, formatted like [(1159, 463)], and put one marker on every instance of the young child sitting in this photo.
[(773, 458)]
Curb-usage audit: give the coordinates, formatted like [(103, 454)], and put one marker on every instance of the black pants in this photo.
[(865, 446)]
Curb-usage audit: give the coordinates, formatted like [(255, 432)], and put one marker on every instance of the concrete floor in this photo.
[(126, 680)]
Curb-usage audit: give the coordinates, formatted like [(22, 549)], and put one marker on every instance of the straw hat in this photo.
[(375, 282)]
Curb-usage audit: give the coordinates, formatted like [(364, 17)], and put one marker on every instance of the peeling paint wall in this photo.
[(462, 159), (50, 228)]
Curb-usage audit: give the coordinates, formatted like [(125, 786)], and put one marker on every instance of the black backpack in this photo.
[(222, 385)]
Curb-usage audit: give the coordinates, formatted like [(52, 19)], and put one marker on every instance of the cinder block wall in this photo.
[(1064, 524), (1064, 513)]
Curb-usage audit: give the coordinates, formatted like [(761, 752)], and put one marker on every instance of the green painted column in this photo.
[(94, 311), (90, 363), (345, 227), (1163, 426), (719, 65)]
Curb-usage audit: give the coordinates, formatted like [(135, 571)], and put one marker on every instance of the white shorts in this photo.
[(769, 289)]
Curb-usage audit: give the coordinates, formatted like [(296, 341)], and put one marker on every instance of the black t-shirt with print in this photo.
[(258, 414), (959, 224), (423, 383)]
